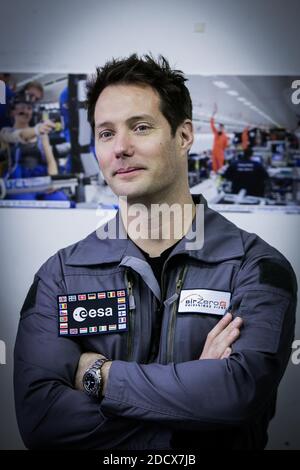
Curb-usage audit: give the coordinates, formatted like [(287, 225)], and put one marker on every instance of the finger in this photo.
[(236, 323), (48, 122), (220, 326), (227, 353), (226, 339), (218, 346), (51, 124), (43, 128)]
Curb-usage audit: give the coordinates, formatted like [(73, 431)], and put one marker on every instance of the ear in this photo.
[(186, 135)]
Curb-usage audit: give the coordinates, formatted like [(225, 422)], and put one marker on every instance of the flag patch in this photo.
[(92, 313)]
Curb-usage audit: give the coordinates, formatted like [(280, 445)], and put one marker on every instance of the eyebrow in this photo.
[(142, 117)]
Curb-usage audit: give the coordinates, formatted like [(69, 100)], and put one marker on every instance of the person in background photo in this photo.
[(22, 132), (40, 161), (220, 143), (245, 173), (33, 91), (245, 138), (10, 86)]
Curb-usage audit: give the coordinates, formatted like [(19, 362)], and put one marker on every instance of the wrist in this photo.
[(93, 378), (105, 373)]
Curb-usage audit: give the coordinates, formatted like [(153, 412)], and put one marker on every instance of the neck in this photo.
[(21, 125), (158, 223)]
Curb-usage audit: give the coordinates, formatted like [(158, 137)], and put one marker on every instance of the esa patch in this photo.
[(276, 275), (92, 313)]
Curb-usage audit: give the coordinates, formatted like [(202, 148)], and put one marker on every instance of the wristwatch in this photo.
[(92, 379)]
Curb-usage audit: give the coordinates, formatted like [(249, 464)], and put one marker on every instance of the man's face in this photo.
[(136, 151), (34, 94)]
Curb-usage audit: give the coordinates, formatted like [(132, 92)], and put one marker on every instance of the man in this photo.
[(247, 174), (220, 143), (43, 162), (124, 341), (34, 91), (29, 150)]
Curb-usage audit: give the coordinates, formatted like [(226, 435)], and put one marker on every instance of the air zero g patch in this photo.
[(92, 313), (207, 301)]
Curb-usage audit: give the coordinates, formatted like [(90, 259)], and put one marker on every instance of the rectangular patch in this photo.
[(209, 302), (276, 275), (91, 313)]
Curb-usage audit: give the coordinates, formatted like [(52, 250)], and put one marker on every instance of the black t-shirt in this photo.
[(157, 262)]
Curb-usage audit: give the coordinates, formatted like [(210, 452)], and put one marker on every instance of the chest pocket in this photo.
[(204, 298)]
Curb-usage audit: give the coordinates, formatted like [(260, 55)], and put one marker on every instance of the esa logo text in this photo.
[(80, 313)]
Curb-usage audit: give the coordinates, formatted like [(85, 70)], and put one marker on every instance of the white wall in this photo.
[(240, 37)]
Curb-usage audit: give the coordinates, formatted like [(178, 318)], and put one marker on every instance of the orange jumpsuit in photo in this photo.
[(219, 146), (245, 138)]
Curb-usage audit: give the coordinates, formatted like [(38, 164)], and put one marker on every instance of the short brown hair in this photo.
[(175, 100), (34, 84)]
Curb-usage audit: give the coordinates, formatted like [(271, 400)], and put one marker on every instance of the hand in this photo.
[(45, 127), (221, 337), (86, 360)]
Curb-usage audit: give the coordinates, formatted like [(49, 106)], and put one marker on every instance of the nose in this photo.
[(123, 146)]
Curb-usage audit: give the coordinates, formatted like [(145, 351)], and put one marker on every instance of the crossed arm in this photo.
[(140, 399), (217, 346)]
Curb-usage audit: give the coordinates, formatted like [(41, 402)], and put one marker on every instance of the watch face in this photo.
[(90, 382)]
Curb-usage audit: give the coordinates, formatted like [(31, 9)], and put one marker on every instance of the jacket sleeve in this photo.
[(50, 412), (208, 393)]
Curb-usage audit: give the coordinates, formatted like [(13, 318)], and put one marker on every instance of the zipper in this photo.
[(173, 316), (156, 333), (159, 319), (131, 322)]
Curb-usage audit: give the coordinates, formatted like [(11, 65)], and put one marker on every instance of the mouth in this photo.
[(129, 170)]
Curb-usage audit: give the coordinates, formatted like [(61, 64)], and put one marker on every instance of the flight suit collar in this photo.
[(222, 241)]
